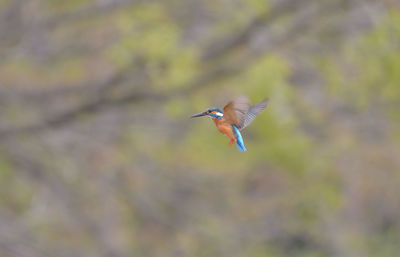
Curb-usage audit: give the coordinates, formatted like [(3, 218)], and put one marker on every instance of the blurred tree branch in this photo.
[(98, 159), (302, 23), (225, 45)]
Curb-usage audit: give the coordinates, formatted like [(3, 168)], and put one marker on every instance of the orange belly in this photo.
[(225, 128)]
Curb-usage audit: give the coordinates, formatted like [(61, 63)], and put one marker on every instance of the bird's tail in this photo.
[(239, 139)]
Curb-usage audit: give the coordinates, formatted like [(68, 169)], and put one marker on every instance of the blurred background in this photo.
[(99, 158)]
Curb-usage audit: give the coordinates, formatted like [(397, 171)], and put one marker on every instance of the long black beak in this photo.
[(198, 115)]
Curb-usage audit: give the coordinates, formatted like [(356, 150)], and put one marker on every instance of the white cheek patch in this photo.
[(219, 114)]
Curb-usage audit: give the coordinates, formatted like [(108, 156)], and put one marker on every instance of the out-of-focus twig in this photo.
[(103, 100)]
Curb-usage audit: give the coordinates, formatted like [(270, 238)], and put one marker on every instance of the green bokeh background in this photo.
[(99, 158)]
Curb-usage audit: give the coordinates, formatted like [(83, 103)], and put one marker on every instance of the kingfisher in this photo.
[(234, 117)]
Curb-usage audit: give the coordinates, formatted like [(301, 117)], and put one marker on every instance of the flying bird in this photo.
[(235, 116)]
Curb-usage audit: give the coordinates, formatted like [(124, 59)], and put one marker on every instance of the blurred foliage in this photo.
[(99, 158), (372, 65)]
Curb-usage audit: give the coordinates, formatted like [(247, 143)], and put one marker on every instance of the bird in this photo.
[(235, 116)]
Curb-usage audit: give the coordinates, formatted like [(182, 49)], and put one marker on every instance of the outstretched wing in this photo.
[(252, 112), (235, 111)]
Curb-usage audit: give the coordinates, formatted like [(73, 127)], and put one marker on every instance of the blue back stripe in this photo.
[(239, 139)]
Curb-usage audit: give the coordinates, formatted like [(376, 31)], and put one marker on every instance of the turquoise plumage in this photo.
[(239, 139)]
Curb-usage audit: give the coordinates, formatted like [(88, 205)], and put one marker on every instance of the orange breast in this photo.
[(224, 127)]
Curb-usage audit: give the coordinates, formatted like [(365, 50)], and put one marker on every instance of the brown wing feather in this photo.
[(235, 111), (229, 114)]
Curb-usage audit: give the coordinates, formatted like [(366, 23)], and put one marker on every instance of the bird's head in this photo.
[(216, 113)]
